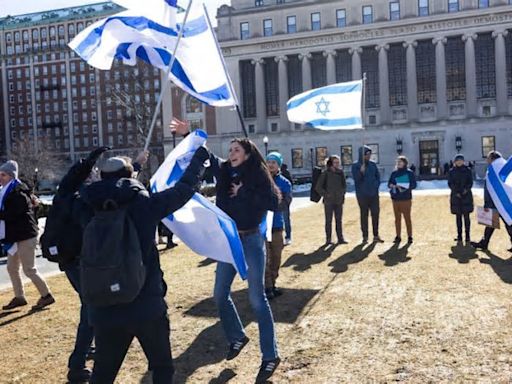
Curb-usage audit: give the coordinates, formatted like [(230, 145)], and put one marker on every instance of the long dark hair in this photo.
[(254, 168)]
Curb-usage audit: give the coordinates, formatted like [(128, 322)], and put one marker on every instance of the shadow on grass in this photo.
[(205, 262), (303, 261), (356, 255), (210, 346), (463, 254), (225, 376), (395, 255), (29, 313), (502, 267)]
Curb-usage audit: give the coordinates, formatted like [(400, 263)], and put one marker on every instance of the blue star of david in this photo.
[(322, 107)]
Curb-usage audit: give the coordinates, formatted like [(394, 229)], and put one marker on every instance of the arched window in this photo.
[(35, 34), (194, 112), (52, 31), (71, 29)]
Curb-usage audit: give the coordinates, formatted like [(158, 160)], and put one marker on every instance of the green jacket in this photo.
[(332, 186)]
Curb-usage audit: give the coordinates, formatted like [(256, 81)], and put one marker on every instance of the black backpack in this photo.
[(61, 241), (313, 194), (111, 267)]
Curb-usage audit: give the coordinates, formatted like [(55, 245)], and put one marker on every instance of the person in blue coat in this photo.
[(367, 180), (401, 183)]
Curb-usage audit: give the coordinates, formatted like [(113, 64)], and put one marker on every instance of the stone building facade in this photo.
[(439, 76)]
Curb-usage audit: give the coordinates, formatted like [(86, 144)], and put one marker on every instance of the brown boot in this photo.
[(15, 303), (44, 302)]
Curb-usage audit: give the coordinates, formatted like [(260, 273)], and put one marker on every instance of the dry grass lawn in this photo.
[(375, 314)]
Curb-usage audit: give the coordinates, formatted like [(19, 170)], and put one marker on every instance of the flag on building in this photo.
[(499, 185), (202, 226), (150, 32), (334, 107)]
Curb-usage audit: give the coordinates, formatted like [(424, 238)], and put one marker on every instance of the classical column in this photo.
[(306, 71), (412, 81), (261, 112), (331, 66), (385, 110), (356, 63), (501, 72), (283, 90), (471, 104), (442, 103)]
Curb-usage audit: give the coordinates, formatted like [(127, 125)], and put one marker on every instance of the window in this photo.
[(258, 3), (375, 152), (291, 24), (252, 128), (318, 70), (370, 66), (341, 18), (426, 72), (397, 68), (248, 88), (244, 31), (274, 127), (315, 21), (455, 69), (294, 75), (346, 155), (394, 10), (488, 145), (297, 158), (321, 156), (267, 27), (483, 3), (367, 14), (271, 87), (343, 62), (453, 5), (485, 66)]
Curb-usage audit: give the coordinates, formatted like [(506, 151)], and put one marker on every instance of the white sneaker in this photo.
[(287, 242)]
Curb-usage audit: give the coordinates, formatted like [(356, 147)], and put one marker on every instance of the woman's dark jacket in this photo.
[(460, 181)]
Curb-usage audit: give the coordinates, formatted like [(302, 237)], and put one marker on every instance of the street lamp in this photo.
[(265, 142), (399, 146), (36, 179), (458, 144)]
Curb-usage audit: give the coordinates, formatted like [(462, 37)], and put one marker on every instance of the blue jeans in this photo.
[(254, 251), (287, 223), (84, 334)]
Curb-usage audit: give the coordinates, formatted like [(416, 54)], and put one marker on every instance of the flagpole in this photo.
[(230, 83), (168, 82), (363, 108)]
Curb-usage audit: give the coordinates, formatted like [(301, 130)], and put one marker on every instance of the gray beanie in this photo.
[(113, 164), (11, 168)]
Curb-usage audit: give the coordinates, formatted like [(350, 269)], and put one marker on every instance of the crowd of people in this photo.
[(102, 225)]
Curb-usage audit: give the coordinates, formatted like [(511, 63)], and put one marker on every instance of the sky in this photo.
[(9, 7)]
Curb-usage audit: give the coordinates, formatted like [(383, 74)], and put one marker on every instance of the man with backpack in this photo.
[(122, 281)]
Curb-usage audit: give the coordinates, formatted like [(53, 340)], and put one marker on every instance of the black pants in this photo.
[(112, 344), (369, 205), (331, 210), (489, 232), (467, 224)]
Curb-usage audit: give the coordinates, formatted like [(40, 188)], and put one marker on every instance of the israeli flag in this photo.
[(202, 226), (329, 108), (148, 30), (499, 185)]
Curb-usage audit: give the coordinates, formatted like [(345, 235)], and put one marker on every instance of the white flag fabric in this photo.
[(334, 107), (148, 30), (499, 185), (202, 226)]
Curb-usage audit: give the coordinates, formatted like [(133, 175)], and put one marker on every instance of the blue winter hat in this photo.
[(458, 157), (276, 156)]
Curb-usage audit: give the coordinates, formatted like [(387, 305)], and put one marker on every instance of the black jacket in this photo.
[(460, 181), (18, 214)]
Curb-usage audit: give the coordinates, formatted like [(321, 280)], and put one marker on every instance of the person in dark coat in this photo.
[(367, 180), (18, 234), (460, 181), (489, 204), (146, 316), (401, 183)]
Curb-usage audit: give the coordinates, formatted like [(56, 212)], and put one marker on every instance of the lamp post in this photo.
[(458, 144), (265, 142), (36, 179), (312, 161), (399, 146)]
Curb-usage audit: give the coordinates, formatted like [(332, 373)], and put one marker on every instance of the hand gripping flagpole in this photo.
[(168, 82), (231, 87)]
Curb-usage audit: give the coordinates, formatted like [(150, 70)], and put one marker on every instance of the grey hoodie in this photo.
[(367, 184)]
